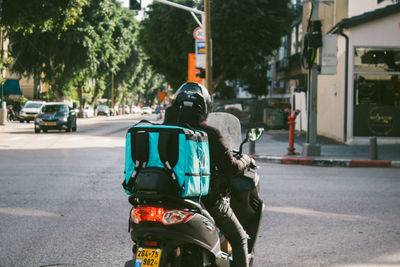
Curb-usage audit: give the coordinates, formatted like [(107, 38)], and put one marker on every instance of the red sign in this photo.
[(198, 34)]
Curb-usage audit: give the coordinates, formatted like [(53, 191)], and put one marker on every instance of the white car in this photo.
[(147, 110), (30, 110), (88, 112), (136, 110), (103, 110)]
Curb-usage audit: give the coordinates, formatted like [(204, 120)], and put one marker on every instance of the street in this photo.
[(62, 204)]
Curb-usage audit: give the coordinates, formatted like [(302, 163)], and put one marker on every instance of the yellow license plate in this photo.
[(50, 124), (31, 115), (146, 257)]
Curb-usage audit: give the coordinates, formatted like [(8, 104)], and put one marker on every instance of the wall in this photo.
[(358, 7), (330, 99), (26, 86), (301, 104)]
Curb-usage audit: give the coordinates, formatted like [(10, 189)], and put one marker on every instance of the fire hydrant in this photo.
[(292, 122)]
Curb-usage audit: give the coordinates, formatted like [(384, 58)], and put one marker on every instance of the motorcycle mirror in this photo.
[(254, 134)]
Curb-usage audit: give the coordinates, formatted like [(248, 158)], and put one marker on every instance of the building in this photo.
[(26, 85), (359, 96), (362, 98)]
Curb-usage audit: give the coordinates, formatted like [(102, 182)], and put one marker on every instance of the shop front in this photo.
[(376, 78)]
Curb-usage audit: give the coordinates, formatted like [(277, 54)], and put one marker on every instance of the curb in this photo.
[(364, 163)]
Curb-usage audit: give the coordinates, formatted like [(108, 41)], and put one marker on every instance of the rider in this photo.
[(191, 105)]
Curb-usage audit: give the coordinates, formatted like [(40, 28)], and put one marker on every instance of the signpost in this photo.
[(206, 25)]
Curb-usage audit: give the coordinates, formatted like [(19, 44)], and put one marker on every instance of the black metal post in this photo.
[(373, 148)]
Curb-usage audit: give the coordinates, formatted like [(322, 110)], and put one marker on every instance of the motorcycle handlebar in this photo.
[(252, 164)]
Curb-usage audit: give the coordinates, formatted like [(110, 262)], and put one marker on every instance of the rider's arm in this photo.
[(222, 156)]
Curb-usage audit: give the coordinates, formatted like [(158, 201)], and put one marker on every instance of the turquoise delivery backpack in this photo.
[(157, 156)]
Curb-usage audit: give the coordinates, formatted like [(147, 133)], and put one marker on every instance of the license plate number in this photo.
[(50, 124), (31, 115), (146, 257)]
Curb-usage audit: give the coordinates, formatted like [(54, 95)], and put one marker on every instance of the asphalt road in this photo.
[(323, 216), (62, 204)]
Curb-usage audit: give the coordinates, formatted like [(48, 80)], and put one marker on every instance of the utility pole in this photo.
[(311, 148), (112, 90), (3, 109), (205, 24), (207, 36)]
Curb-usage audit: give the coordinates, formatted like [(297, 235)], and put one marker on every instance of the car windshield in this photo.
[(102, 108), (54, 108), (33, 105)]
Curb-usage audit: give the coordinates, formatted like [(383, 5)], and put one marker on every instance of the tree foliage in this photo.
[(166, 37), (44, 15), (244, 34), (99, 42)]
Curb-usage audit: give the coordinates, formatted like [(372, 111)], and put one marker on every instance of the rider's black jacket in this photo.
[(223, 164)]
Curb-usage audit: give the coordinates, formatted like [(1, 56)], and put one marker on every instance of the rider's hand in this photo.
[(253, 164), (245, 159)]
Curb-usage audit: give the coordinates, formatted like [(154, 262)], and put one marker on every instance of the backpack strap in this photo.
[(140, 155), (168, 150)]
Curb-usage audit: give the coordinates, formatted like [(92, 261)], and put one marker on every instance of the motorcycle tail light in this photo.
[(152, 214), (151, 243), (176, 216), (159, 214)]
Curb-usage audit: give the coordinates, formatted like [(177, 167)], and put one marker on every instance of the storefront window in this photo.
[(377, 89), (377, 92), (377, 60)]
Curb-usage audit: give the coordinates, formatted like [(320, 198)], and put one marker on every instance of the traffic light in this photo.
[(135, 4), (201, 74)]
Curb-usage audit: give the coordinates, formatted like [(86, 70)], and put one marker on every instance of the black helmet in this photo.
[(193, 95)]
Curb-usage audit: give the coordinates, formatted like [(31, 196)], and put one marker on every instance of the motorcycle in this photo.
[(11, 116), (172, 231)]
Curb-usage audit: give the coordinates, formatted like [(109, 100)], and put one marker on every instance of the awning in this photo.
[(11, 87)]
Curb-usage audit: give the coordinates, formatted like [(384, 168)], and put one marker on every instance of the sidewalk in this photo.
[(272, 147)]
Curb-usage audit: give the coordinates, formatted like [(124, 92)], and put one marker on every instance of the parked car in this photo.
[(147, 110), (103, 110), (30, 110), (136, 110), (88, 112), (55, 116), (127, 109), (113, 112)]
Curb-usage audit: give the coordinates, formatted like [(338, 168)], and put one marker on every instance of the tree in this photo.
[(44, 15), (244, 34), (166, 38), (92, 47)]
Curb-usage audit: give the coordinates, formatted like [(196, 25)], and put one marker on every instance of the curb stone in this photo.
[(329, 162)]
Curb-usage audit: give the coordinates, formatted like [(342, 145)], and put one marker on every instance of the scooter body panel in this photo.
[(198, 230)]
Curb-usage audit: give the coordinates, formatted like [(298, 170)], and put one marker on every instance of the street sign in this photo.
[(198, 34), (329, 54), (200, 49)]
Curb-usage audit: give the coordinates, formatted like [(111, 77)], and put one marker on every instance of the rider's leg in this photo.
[(232, 229)]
